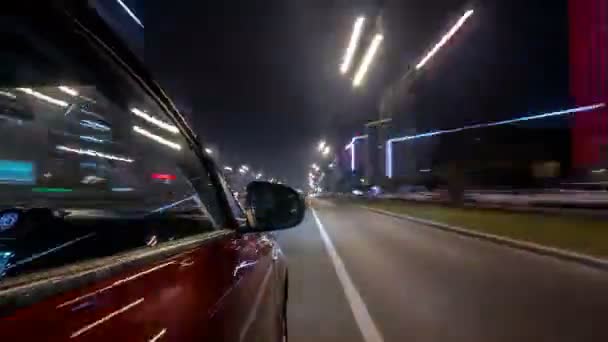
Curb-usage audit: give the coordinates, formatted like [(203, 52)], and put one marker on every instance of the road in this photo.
[(415, 283)]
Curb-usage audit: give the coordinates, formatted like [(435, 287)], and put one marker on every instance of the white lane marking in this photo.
[(158, 336), (365, 322), (106, 318)]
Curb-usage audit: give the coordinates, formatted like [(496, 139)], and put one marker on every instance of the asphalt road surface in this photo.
[(400, 281)]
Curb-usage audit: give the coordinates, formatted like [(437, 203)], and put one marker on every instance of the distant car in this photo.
[(375, 191), (114, 225), (358, 192)]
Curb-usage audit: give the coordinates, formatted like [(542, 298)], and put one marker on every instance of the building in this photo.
[(588, 25)]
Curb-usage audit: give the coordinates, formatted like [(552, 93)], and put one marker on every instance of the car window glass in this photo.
[(235, 206), (90, 165)]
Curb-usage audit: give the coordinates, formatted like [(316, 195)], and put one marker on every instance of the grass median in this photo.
[(580, 234)]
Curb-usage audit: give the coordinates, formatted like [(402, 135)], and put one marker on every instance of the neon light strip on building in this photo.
[(351, 146), (389, 143)]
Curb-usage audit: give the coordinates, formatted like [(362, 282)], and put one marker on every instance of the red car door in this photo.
[(251, 309), (223, 290), (164, 297)]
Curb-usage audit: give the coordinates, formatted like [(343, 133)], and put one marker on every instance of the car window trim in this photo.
[(28, 289)]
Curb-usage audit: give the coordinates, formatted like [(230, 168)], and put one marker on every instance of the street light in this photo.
[(228, 168), (43, 97), (156, 122), (156, 138), (130, 13), (326, 151), (68, 90), (321, 146), (208, 150), (367, 60), (352, 45), (258, 176), (445, 38)]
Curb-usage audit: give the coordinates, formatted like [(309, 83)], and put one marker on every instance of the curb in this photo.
[(523, 245)]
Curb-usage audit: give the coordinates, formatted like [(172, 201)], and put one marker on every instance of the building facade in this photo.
[(588, 26)]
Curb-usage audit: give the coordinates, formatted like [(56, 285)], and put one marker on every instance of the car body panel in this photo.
[(222, 290)]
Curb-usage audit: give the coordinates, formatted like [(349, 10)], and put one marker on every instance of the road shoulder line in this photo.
[(364, 321), (562, 254)]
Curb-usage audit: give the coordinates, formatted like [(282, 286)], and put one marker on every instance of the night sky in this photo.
[(261, 82)]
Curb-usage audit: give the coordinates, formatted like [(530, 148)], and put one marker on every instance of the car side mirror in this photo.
[(273, 207)]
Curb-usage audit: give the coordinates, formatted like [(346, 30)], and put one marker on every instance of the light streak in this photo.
[(351, 146), (94, 125), (8, 94), (157, 138), (352, 45), (43, 97), (156, 122), (122, 189), (174, 204), (445, 38), (389, 143), (93, 153), (91, 139), (130, 13), (367, 60), (105, 318), (69, 91)]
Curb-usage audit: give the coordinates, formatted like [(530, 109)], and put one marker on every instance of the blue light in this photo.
[(389, 149), (16, 172), (94, 125), (90, 165), (122, 189), (174, 204), (91, 139), (351, 146), (130, 13), (388, 163), (8, 220)]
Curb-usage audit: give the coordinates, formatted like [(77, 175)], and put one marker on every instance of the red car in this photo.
[(114, 225)]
